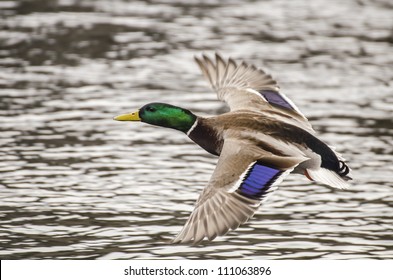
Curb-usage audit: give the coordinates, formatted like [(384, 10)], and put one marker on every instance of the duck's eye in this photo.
[(150, 109)]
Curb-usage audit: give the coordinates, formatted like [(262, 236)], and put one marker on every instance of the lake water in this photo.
[(74, 184)]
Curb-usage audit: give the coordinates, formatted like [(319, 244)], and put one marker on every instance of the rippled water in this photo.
[(74, 184)]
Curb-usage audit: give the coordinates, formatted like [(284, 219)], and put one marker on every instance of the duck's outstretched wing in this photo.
[(245, 87), (243, 178)]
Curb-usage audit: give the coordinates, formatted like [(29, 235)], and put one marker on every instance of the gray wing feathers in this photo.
[(244, 87), (216, 216), (224, 75), (219, 207)]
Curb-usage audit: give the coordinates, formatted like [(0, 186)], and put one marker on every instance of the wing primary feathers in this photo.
[(204, 70), (228, 209), (221, 69), (231, 68), (211, 69), (236, 84)]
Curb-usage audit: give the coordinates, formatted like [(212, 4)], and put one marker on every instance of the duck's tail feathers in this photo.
[(344, 170), (329, 177)]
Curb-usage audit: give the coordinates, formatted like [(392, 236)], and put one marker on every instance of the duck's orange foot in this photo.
[(307, 175)]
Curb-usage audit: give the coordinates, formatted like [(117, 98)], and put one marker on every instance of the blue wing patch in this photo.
[(258, 179), (275, 98)]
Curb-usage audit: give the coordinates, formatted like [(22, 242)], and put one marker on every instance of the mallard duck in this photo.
[(262, 139)]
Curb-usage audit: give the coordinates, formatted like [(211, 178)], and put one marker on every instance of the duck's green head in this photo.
[(162, 114)]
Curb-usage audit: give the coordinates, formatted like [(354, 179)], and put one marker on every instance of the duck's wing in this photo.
[(243, 178), (245, 87)]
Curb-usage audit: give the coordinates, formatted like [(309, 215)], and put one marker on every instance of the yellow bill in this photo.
[(128, 117)]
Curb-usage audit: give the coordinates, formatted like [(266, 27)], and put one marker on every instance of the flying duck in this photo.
[(261, 140)]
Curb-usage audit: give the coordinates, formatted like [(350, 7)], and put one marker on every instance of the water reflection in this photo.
[(76, 185)]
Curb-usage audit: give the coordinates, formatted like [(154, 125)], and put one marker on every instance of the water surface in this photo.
[(74, 184)]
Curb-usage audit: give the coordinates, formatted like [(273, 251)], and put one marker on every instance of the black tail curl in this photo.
[(343, 170)]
